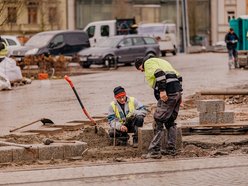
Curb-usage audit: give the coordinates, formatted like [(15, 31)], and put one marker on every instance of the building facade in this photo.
[(32, 16), (222, 11)]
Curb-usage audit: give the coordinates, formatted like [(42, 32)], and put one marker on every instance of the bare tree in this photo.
[(6, 17)]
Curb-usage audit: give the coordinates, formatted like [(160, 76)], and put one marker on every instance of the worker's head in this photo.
[(120, 94), (139, 62), (231, 30)]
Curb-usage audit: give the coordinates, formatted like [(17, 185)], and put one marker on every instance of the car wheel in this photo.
[(85, 64), (150, 54), (163, 53)]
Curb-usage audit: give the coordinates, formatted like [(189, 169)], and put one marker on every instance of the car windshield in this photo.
[(39, 40), (150, 29), (110, 42)]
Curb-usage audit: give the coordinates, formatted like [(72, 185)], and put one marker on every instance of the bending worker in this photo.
[(126, 114), (166, 82)]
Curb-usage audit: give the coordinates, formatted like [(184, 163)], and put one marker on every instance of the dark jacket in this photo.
[(231, 41)]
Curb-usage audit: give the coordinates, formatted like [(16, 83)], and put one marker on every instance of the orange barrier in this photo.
[(42, 76)]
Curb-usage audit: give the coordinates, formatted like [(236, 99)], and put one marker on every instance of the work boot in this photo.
[(152, 154), (122, 141), (169, 151), (135, 141)]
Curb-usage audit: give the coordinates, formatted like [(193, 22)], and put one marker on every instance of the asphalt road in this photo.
[(55, 100)]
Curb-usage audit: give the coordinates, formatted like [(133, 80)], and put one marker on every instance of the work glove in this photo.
[(130, 116)]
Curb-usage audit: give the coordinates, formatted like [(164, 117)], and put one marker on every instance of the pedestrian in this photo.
[(126, 114), (166, 82), (231, 40)]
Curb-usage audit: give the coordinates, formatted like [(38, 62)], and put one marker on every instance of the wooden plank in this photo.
[(240, 127), (46, 130), (69, 126)]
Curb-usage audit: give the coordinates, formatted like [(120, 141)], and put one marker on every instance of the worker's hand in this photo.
[(163, 96), (181, 103), (123, 128)]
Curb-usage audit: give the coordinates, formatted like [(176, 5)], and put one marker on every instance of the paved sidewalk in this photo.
[(202, 171)]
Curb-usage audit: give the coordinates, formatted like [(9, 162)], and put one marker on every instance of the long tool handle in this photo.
[(79, 100), (24, 126)]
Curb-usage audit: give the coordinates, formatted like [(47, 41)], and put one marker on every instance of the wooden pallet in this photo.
[(215, 129)]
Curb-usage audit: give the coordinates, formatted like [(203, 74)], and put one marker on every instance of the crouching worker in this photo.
[(126, 114)]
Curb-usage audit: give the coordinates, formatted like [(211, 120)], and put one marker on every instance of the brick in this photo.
[(74, 149), (213, 118), (225, 117), (146, 134), (6, 154), (207, 117), (52, 151), (210, 106), (27, 155)]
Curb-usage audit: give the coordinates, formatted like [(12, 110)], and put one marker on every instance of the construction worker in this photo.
[(231, 40), (3, 49), (166, 82), (126, 114)]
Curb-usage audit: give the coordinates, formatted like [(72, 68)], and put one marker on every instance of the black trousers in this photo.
[(132, 126)]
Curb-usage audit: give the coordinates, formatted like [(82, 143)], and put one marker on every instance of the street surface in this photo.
[(222, 171), (54, 99)]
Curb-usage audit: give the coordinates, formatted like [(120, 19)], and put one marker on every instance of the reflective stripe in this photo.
[(160, 78), (171, 80), (131, 108)]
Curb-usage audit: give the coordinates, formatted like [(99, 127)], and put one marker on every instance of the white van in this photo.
[(99, 30), (165, 33)]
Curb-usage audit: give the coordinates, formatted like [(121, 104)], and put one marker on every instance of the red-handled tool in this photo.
[(67, 78)]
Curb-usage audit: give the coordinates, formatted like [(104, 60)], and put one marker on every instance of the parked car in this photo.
[(119, 49), (12, 43), (165, 33), (60, 42)]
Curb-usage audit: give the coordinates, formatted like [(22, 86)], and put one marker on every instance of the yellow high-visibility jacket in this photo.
[(152, 64)]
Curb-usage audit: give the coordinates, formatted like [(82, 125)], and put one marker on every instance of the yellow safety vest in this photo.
[(4, 51), (131, 108)]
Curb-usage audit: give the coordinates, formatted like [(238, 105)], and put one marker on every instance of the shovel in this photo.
[(45, 121)]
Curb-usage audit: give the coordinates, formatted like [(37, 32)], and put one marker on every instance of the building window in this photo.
[(32, 15), (230, 15), (12, 14), (52, 15)]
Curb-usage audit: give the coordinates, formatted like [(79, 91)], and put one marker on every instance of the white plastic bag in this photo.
[(4, 82), (9, 68)]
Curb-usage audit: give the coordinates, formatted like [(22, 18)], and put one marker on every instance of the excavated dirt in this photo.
[(100, 148)]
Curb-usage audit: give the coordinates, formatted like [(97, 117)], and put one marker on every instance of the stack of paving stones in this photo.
[(145, 136), (11, 154), (213, 112)]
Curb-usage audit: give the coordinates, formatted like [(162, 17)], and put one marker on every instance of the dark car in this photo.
[(61, 42), (119, 49)]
